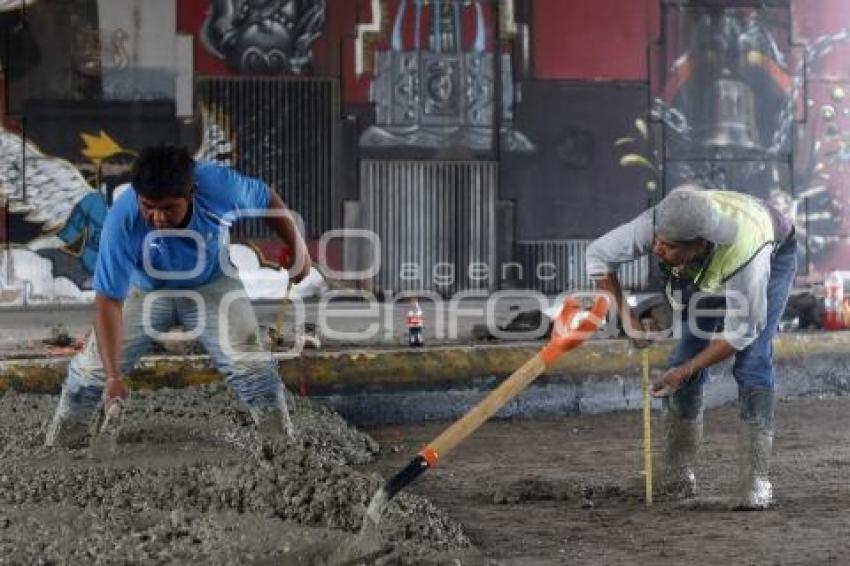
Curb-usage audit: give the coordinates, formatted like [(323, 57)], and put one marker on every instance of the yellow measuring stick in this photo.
[(647, 427)]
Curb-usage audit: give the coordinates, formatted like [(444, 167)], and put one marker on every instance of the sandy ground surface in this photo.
[(190, 484), (570, 491)]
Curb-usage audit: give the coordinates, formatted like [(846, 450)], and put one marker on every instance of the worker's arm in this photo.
[(631, 325), (108, 328), (286, 228), (716, 351), (744, 319), (622, 244)]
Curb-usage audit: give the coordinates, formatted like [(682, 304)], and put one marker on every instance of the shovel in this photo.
[(572, 327)]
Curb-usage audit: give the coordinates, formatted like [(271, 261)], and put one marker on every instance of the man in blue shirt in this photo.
[(162, 261)]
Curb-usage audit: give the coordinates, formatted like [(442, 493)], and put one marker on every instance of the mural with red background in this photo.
[(600, 42), (822, 156)]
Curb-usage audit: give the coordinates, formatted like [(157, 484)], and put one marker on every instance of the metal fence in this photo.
[(284, 133)]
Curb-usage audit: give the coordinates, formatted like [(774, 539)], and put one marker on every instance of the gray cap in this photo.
[(687, 214)]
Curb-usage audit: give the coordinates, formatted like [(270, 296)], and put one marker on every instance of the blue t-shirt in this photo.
[(130, 254)]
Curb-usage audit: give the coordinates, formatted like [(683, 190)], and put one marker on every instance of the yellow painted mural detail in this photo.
[(99, 147)]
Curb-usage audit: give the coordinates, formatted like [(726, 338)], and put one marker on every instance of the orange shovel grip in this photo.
[(564, 336)]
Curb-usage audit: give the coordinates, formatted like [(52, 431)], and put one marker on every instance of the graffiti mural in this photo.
[(744, 108), (725, 96), (56, 215), (263, 36), (41, 194), (40, 188), (822, 201), (55, 207), (724, 86), (821, 160), (73, 249), (435, 85)]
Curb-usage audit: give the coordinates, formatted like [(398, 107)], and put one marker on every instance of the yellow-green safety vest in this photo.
[(755, 230)]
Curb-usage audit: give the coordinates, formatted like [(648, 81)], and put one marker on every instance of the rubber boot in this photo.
[(274, 420), (71, 424), (682, 430), (755, 444)]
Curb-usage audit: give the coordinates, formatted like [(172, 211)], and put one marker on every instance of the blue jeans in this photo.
[(219, 314), (753, 366)]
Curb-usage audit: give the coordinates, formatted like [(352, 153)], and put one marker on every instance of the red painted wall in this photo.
[(815, 18), (593, 39), (572, 39), (190, 17), (355, 89)]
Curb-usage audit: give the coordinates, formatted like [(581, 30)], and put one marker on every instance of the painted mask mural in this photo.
[(263, 36), (437, 82)]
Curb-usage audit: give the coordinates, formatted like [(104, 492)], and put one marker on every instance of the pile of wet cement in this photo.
[(585, 495), (190, 482)]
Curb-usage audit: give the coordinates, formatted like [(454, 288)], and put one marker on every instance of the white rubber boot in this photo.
[(274, 420), (67, 428), (755, 445), (682, 430)]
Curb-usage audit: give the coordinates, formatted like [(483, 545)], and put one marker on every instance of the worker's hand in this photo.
[(638, 327), (116, 389), (669, 382), (306, 265)]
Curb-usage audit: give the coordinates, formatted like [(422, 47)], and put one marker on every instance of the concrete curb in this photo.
[(408, 385)]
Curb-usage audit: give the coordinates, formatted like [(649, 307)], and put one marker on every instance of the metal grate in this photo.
[(553, 266), (284, 132), (436, 222)]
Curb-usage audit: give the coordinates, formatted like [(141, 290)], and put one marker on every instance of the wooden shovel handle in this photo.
[(566, 335)]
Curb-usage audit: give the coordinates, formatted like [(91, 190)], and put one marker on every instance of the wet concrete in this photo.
[(190, 483), (569, 490)]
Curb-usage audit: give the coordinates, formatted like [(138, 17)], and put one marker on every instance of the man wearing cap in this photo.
[(733, 254)]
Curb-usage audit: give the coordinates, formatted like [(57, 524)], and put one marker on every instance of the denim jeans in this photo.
[(219, 314), (753, 366)]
